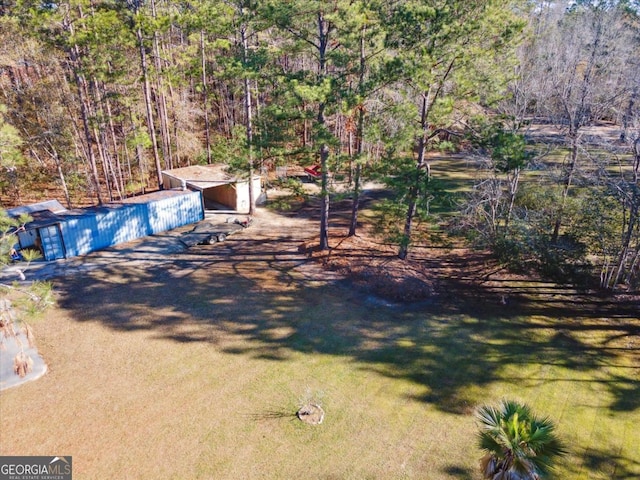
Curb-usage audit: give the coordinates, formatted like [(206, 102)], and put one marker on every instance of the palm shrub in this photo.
[(517, 444), (17, 335)]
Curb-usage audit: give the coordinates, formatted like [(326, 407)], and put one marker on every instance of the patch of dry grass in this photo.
[(196, 368)]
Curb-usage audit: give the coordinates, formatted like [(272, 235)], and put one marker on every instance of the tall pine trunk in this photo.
[(323, 41), (414, 189), (355, 207), (53, 153), (146, 90), (248, 118), (205, 98), (117, 173), (85, 109), (160, 96), (428, 100)]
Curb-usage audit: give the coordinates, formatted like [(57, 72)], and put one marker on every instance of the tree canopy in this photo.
[(100, 96)]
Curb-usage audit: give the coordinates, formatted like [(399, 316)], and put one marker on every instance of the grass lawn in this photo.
[(195, 369)]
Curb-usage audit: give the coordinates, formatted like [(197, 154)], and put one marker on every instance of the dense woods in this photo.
[(98, 97)]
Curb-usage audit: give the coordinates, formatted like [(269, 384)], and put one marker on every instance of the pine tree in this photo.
[(447, 52)]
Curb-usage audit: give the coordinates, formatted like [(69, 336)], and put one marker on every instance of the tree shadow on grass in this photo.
[(251, 295), (266, 299), (604, 464)]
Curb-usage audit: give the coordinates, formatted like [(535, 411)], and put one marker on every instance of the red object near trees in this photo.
[(314, 172)]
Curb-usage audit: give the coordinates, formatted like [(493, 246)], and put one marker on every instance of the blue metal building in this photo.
[(69, 233)]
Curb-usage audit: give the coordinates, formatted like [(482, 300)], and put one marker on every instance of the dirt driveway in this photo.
[(281, 234)]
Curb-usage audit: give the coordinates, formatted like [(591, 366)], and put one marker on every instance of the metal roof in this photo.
[(53, 206), (201, 177)]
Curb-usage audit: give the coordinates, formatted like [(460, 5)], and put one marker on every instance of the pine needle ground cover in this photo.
[(195, 368)]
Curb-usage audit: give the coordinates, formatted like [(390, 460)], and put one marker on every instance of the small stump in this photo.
[(311, 413)]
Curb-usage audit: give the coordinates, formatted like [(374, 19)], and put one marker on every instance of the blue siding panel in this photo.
[(78, 234), (85, 231), (170, 213)]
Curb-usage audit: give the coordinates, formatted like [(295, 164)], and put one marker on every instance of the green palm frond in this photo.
[(517, 444)]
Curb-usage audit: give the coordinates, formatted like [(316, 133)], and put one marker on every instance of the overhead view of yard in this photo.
[(299, 239), (195, 366)]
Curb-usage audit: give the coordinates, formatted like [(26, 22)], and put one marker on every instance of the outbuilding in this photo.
[(220, 190), (60, 233)]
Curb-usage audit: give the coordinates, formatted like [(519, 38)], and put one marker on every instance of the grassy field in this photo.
[(195, 368)]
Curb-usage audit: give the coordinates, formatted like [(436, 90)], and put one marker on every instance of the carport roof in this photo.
[(202, 177)]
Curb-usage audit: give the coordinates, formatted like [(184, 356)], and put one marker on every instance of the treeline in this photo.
[(98, 97)]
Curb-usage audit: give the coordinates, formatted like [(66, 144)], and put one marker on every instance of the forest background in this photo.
[(98, 97)]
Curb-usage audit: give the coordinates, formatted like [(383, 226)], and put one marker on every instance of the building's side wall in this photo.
[(27, 238), (242, 200), (122, 223), (242, 190), (258, 198), (174, 212), (104, 228)]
